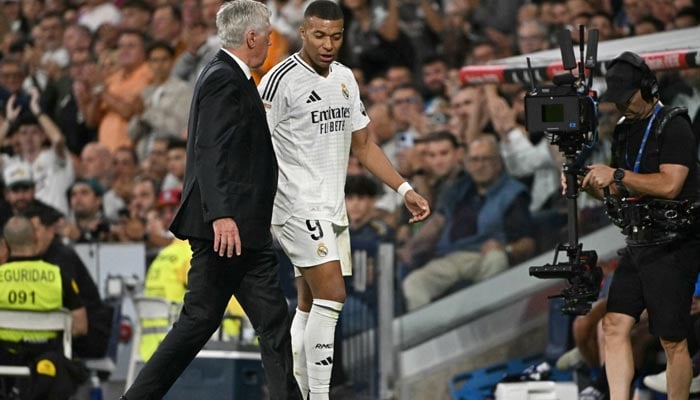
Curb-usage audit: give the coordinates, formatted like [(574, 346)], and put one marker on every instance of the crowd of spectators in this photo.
[(95, 95)]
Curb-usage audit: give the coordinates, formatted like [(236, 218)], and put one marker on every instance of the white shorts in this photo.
[(309, 243)]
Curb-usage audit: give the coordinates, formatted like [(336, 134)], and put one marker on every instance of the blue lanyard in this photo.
[(638, 161)]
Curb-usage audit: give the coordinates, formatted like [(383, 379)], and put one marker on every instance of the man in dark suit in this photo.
[(230, 183)]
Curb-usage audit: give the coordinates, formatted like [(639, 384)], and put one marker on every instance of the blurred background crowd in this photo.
[(95, 97)]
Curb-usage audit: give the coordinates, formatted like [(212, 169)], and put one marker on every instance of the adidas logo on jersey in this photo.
[(313, 97)]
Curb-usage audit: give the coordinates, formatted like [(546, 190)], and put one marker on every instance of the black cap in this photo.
[(623, 80)]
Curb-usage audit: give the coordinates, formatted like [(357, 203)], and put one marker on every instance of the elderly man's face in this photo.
[(483, 163)]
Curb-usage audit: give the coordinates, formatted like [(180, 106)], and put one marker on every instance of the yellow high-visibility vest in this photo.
[(30, 285)]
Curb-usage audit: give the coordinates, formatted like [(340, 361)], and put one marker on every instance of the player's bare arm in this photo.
[(373, 158)]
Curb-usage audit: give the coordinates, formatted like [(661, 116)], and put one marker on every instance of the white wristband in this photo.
[(403, 189)]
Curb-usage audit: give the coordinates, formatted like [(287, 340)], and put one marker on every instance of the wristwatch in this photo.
[(618, 176)]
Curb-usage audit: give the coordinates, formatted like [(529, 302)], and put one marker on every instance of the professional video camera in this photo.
[(567, 115)]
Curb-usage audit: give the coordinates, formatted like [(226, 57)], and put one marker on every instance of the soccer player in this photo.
[(316, 117)]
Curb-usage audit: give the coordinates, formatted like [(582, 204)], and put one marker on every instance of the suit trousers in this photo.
[(252, 278)]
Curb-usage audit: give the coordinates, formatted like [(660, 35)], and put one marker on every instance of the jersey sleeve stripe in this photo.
[(274, 76), (273, 85), (273, 82)]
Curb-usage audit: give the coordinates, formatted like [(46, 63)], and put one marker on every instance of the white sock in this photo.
[(318, 342), (298, 353)]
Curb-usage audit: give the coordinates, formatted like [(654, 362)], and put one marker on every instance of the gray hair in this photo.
[(236, 17)]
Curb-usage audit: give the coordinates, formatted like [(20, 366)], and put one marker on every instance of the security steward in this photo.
[(166, 279), (28, 283), (651, 192)]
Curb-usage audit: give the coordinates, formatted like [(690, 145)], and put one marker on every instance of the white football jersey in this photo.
[(311, 119)]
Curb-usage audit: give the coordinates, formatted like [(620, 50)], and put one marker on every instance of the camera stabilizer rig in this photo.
[(567, 115)]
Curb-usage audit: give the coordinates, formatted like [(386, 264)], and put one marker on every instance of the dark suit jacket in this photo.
[(231, 166)]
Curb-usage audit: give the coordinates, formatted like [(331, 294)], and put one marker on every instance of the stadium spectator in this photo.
[(120, 99), (664, 11), (52, 169), (631, 14), (604, 24), (76, 38), (159, 219), (177, 157), (52, 249), (469, 114), (647, 25), (16, 22), (136, 16), (434, 84), (67, 99), (532, 36), (125, 169), (530, 161), (99, 12), (156, 165), (407, 114), (12, 74), (96, 163), (19, 191), (482, 52), (398, 75), (54, 57), (55, 376), (143, 199), (423, 22), (166, 102), (373, 39), (87, 223), (377, 91), (202, 43), (481, 228), (167, 26), (366, 231), (686, 17)]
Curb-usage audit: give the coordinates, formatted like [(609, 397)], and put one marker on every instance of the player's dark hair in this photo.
[(324, 9)]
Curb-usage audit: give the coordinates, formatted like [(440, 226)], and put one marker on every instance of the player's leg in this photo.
[(328, 291), (320, 252), (301, 316)]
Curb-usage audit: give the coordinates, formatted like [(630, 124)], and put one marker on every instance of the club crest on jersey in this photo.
[(322, 250), (346, 92)]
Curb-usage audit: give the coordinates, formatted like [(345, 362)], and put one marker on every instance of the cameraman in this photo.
[(651, 166)]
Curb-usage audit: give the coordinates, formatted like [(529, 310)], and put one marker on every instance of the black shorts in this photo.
[(660, 278)]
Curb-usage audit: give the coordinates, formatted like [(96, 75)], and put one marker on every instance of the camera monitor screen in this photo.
[(553, 112)]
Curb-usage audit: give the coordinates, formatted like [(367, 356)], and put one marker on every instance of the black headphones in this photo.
[(649, 87)]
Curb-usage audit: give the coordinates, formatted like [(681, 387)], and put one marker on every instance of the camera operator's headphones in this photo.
[(648, 87)]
